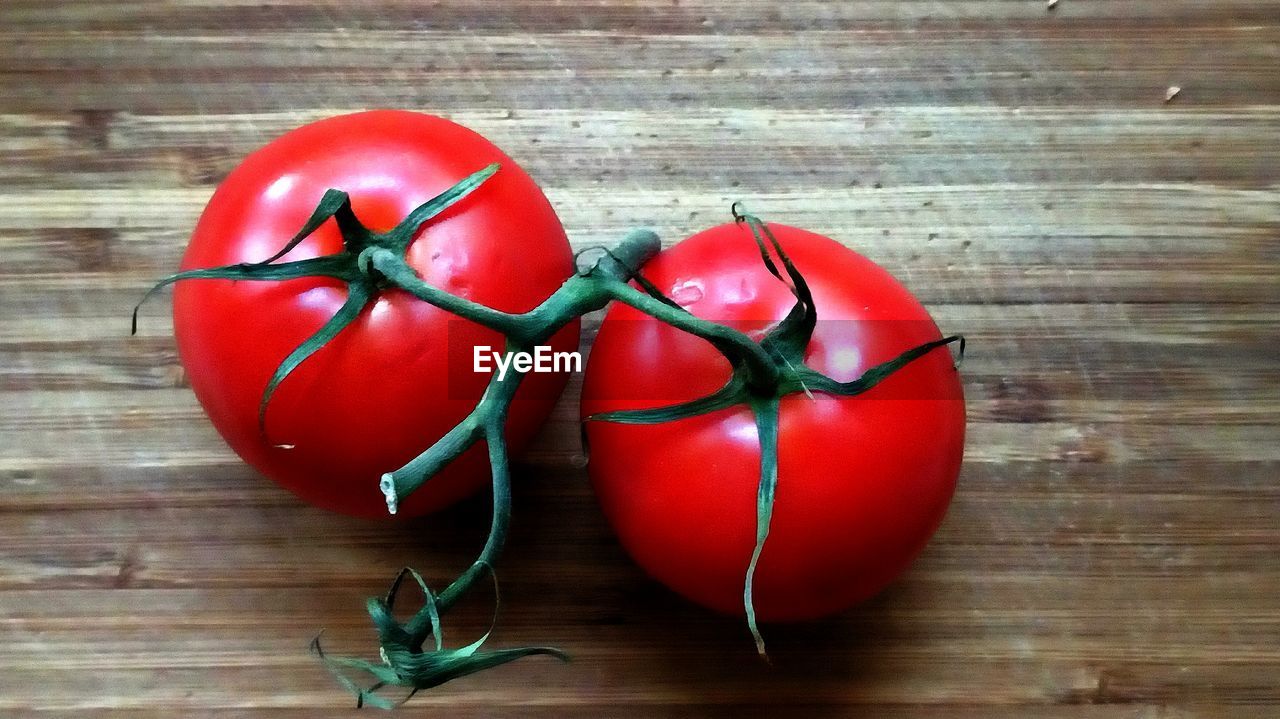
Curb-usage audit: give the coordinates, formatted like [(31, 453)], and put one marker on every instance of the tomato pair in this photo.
[(862, 481)]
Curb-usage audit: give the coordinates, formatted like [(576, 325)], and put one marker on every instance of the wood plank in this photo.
[(1112, 551)]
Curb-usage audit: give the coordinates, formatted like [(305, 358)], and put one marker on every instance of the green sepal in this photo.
[(364, 695), (754, 224), (789, 338), (403, 233), (334, 204), (766, 415), (339, 266), (359, 293), (405, 666), (431, 669), (431, 606), (421, 670), (733, 393), (815, 380), (344, 265), (392, 632)]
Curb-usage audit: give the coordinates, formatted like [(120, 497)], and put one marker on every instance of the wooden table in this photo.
[(1114, 548)]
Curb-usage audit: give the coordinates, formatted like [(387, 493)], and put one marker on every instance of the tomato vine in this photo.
[(763, 372)]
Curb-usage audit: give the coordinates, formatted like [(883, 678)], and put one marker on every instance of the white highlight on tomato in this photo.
[(281, 187)]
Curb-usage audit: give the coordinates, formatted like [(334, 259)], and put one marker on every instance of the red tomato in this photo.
[(863, 481), (380, 392)]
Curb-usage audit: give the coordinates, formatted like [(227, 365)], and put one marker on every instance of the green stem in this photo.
[(492, 406), (400, 275), (578, 295), (419, 627)]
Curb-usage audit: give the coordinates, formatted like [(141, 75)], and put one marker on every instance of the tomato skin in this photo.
[(380, 392), (863, 481)]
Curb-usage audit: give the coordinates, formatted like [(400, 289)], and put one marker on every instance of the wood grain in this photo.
[(1113, 551)]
